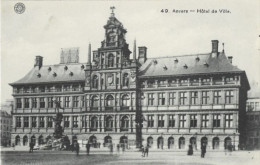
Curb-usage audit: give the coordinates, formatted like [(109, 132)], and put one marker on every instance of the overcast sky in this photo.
[(47, 26)]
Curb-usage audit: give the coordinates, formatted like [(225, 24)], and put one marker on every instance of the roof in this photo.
[(187, 64), (54, 73)]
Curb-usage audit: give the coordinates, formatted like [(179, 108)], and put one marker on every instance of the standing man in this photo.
[(146, 150), (31, 146), (77, 148), (87, 148), (203, 150)]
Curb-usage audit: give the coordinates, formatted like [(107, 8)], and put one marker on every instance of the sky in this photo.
[(47, 26)]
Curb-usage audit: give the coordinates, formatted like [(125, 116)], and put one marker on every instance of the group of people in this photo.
[(203, 150), (145, 150)]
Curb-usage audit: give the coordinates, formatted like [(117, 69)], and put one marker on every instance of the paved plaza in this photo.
[(129, 158)]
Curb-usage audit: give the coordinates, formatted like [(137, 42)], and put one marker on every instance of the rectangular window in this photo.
[(150, 121), (50, 102), (256, 105), (83, 101), (34, 122), (18, 122), (34, 102), (75, 101), (58, 88), (75, 87), (66, 122), (49, 120), (193, 121), (161, 99), (42, 102), (171, 121), (66, 88), (172, 97), (26, 103), (75, 121), (216, 97), (150, 98), (19, 103), (216, 120), (205, 97), (160, 121), (228, 120), (182, 121), (26, 90), (67, 101), (84, 121), (183, 98), (41, 122), (229, 97), (205, 121), (194, 98), (26, 122)]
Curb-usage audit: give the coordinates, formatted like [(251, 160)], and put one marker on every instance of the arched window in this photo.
[(160, 143), (110, 60), (25, 140), (125, 80), (94, 123), (170, 142), (40, 140), (110, 101), (181, 143), (125, 101), (150, 141), (33, 139), (95, 81), (193, 142), (204, 140), (95, 101), (107, 140), (215, 143), (109, 123), (124, 123), (227, 142), (17, 140)]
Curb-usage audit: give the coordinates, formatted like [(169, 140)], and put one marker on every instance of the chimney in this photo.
[(142, 54), (38, 61), (134, 52), (89, 54), (214, 48), (230, 59)]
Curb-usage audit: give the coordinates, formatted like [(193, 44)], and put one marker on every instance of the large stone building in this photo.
[(6, 127), (166, 102), (253, 123)]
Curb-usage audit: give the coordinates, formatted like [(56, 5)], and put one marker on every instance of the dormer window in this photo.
[(185, 66), (65, 68), (38, 75), (82, 67), (155, 62), (197, 59), (54, 74), (71, 73), (49, 69), (176, 60)]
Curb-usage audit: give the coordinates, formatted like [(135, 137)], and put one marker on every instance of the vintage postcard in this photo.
[(130, 82)]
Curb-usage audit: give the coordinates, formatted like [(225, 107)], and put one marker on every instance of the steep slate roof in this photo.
[(47, 75), (166, 66)]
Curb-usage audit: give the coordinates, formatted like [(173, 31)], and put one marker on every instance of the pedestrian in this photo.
[(31, 146), (88, 148), (13, 146), (118, 148), (111, 148), (146, 150), (77, 147), (123, 148), (230, 147), (190, 151), (142, 149), (203, 150)]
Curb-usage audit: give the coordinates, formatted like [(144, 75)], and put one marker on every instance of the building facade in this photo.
[(117, 97), (253, 123), (6, 128)]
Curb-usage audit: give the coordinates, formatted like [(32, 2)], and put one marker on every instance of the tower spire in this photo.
[(134, 51), (89, 54), (112, 11)]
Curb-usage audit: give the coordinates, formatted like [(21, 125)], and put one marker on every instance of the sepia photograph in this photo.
[(130, 82)]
